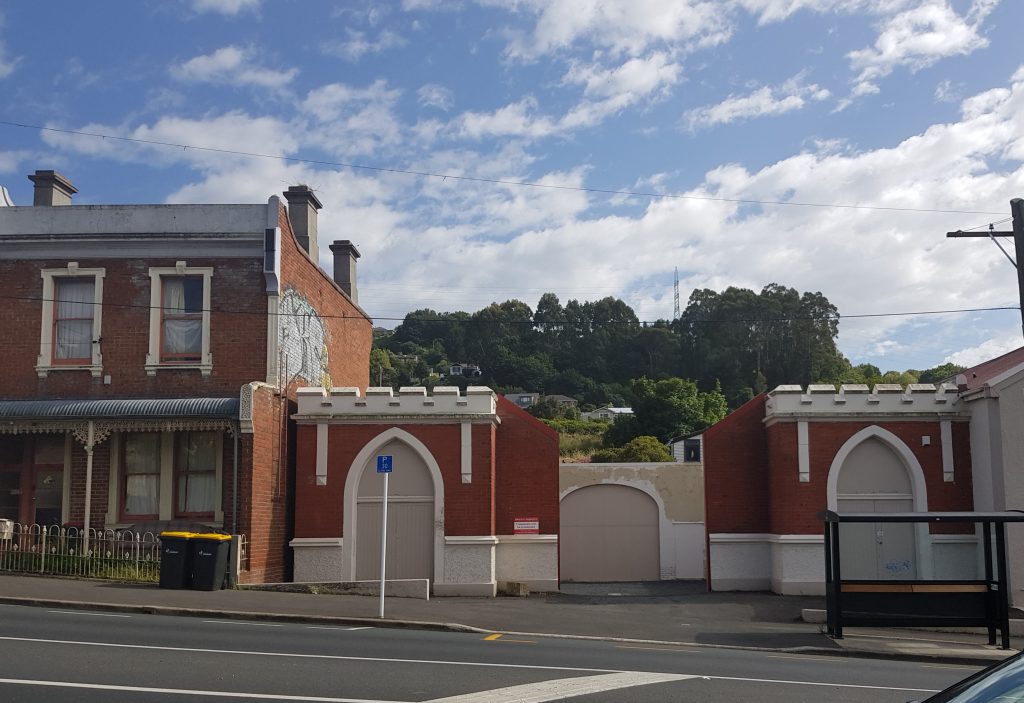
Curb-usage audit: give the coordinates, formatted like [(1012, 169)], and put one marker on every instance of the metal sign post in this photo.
[(384, 464)]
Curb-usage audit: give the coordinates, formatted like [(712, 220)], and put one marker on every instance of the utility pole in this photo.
[(1017, 210), (675, 295)]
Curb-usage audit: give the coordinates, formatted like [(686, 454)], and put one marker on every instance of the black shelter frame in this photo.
[(921, 602)]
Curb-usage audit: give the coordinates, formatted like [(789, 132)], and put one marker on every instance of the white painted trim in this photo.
[(273, 330), (321, 454), (797, 539), (955, 539), (471, 540), (316, 542), (803, 451), (44, 362), (917, 481), (466, 450), (153, 363), (946, 430), (739, 538), (351, 494), (526, 539)]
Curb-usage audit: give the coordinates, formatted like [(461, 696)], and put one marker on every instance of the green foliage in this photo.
[(940, 373), (674, 406), (639, 449), (548, 408), (578, 444), (567, 426)]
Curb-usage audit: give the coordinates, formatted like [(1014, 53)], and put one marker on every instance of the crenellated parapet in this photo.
[(854, 400), (408, 401)]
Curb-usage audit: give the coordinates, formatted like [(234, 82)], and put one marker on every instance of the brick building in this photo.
[(152, 354), (472, 498), (776, 462)]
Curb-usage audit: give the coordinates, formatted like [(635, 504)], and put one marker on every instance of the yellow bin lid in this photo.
[(178, 535), (211, 536)]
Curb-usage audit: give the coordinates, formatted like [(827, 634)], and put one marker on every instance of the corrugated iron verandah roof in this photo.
[(124, 415), (134, 408)]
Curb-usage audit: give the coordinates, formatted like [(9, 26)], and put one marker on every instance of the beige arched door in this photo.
[(874, 479), (608, 533), (410, 517)]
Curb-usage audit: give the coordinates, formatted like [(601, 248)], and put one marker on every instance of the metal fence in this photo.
[(120, 555)]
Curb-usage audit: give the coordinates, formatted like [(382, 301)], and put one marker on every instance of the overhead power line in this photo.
[(262, 313), (491, 181)]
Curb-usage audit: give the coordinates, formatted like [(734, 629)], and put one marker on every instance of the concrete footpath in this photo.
[(663, 612)]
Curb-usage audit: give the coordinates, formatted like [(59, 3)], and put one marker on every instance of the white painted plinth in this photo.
[(741, 562), (798, 565), (468, 567), (317, 559)]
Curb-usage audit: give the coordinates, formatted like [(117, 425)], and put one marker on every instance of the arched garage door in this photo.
[(608, 533)]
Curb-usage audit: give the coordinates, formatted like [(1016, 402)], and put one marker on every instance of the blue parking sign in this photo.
[(384, 464)]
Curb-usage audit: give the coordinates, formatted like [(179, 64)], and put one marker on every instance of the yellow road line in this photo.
[(493, 637)]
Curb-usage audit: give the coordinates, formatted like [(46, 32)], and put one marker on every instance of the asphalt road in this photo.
[(51, 655)]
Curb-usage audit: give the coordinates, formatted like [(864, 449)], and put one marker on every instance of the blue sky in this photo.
[(914, 105)]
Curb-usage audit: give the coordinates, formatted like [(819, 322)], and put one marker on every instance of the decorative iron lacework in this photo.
[(103, 428)]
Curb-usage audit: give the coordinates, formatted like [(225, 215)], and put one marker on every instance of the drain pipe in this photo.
[(234, 482)]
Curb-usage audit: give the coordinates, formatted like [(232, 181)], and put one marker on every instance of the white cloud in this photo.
[(514, 120), (947, 92), (435, 95), (7, 64), (225, 7), (354, 120), (765, 101), (918, 38), (231, 65), (628, 27), (989, 349), (358, 45)]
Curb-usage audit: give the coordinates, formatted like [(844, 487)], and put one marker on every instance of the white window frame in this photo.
[(44, 363), (180, 268)]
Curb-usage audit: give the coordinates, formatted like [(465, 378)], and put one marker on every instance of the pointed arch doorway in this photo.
[(875, 472), (414, 505)]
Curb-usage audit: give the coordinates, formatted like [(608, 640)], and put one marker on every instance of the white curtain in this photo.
[(142, 494), (182, 335), (196, 462), (196, 492), (73, 333), (142, 473)]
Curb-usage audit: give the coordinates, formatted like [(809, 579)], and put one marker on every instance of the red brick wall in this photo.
[(795, 504), (264, 498), (238, 332), (736, 471), (527, 470), (349, 331), (320, 509)]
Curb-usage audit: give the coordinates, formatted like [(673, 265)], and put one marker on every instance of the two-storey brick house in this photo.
[(151, 355)]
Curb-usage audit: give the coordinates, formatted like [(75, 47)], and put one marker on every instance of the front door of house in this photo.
[(47, 497)]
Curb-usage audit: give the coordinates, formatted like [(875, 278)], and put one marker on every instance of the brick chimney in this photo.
[(345, 255), (302, 212), (51, 189)]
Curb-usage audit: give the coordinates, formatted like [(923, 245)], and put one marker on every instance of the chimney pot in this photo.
[(302, 213), (51, 188), (345, 255)]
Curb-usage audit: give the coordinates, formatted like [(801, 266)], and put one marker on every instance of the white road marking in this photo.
[(345, 629), (558, 689), (435, 662), (245, 622), (191, 692), (83, 612)]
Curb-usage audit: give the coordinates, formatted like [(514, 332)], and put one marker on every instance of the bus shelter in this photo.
[(917, 570)]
